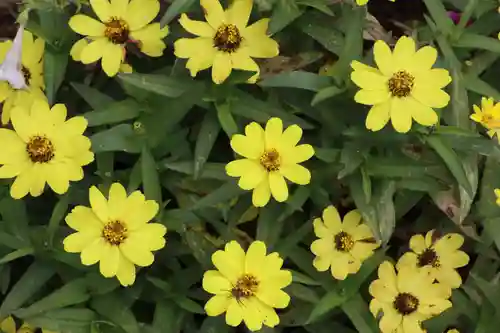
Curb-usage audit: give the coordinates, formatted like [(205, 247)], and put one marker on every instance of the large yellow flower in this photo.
[(404, 300), (488, 115), (342, 245), (440, 255), (122, 22), (115, 232), (270, 157), (404, 86), (247, 286), (44, 147), (225, 42), (8, 325), (32, 69)]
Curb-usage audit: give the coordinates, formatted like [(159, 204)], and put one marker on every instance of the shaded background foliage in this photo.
[(167, 134)]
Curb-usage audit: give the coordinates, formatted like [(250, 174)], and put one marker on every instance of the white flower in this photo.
[(10, 69)]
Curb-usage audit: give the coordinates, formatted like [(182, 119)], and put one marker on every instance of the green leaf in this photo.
[(210, 170), (113, 113), (451, 160), (58, 214), (301, 292), (71, 293), (206, 138), (224, 193), (17, 254), (175, 8), (168, 317), (55, 63), (214, 325), (284, 13), (226, 119), (297, 79), (119, 138), (386, 215), (317, 27), (359, 314), (367, 210), (188, 305), (150, 177), (479, 86), (326, 93), (92, 96), (32, 280), (113, 307), (476, 41), (352, 156), (159, 84), (74, 320), (15, 215), (320, 5), (440, 16)]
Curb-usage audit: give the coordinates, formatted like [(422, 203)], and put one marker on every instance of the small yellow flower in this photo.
[(441, 256), (403, 87), (44, 147), (453, 330), (488, 115), (225, 42), (497, 195), (342, 245), (270, 157), (123, 22), (8, 325), (406, 298), (247, 286), (32, 69), (115, 232)]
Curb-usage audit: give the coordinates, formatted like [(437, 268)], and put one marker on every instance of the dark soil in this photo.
[(7, 21), (387, 13)]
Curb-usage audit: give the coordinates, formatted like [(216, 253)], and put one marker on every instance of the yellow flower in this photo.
[(342, 245), (270, 157), (404, 300), (404, 86), (225, 42), (441, 256), (115, 232), (32, 69), (79, 46), (453, 330), (488, 115), (8, 325), (497, 195), (122, 22), (364, 2), (247, 286), (44, 147)]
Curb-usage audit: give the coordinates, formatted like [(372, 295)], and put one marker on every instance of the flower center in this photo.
[(271, 160), (114, 232), (401, 84), (405, 303), (428, 257), (40, 149), (27, 74), (343, 242), (117, 30), (227, 38), (245, 287)]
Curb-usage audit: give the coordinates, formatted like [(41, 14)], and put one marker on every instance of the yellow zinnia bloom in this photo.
[(403, 87), (115, 232), (44, 147), (32, 69), (404, 300), (225, 42), (441, 256), (497, 195), (247, 286), (270, 157), (488, 115), (122, 22), (342, 245), (8, 325)]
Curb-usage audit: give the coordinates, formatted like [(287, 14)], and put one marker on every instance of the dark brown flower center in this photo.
[(343, 242), (428, 257), (245, 287), (227, 38), (114, 232), (405, 303), (117, 31), (271, 160), (40, 149), (401, 84)]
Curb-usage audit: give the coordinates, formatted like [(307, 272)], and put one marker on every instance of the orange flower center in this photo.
[(245, 287), (227, 38), (401, 84), (40, 149), (271, 160), (114, 232), (343, 242), (117, 30)]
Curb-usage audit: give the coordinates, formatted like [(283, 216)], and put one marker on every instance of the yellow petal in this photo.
[(119, 7), (86, 26), (274, 297), (400, 115), (372, 97), (215, 283), (8, 325), (369, 80), (320, 230), (403, 52), (417, 243), (217, 305), (58, 178), (197, 48), (99, 204), (292, 135), (390, 321), (112, 58), (240, 60), (298, 154), (138, 211), (255, 257), (424, 58), (252, 316), (273, 133), (239, 13), (256, 42), (77, 49), (21, 185), (141, 12), (35, 53), (231, 261), (151, 235), (234, 312), (436, 77), (351, 221), (262, 193), (411, 325), (93, 51), (278, 186), (252, 173), (23, 124), (378, 116), (110, 260), (407, 259), (332, 220), (339, 267), (78, 241), (383, 58), (387, 274), (201, 61), (136, 252), (221, 68), (323, 247), (322, 263), (271, 319), (198, 28), (126, 272), (250, 145), (214, 14), (116, 201), (422, 114), (458, 259), (430, 96), (102, 8), (13, 148), (82, 218), (449, 243), (362, 251), (296, 173), (93, 252)]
